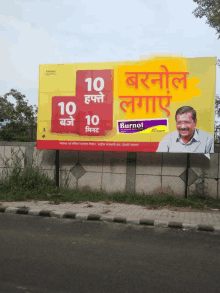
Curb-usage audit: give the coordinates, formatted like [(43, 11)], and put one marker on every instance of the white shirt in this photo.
[(201, 142)]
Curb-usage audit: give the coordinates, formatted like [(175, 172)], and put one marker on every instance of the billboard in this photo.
[(161, 104)]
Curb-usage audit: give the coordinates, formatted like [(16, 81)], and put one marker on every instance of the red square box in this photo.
[(92, 82), (65, 114), (96, 100)]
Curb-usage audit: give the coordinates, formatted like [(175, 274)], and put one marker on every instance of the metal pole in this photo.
[(187, 174), (57, 160)]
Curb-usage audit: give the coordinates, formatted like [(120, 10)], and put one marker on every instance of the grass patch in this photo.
[(20, 185)]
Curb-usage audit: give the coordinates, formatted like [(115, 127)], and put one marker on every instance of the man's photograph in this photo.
[(187, 138)]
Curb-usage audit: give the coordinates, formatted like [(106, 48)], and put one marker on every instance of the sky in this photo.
[(72, 31)]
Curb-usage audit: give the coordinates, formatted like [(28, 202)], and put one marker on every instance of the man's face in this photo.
[(185, 124)]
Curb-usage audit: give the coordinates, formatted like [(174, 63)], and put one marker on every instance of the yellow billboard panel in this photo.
[(163, 104)]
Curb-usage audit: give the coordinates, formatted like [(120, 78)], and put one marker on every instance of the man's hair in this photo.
[(185, 109)]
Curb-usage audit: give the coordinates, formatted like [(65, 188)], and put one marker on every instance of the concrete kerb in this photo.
[(2, 209), (108, 218), (11, 210), (175, 225), (132, 220), (23, 211), (159, 223), (205, 228), (34, 212), (187, 226), (81, 216), (57, 214), (216, 229), (94, 217), (69, 215)]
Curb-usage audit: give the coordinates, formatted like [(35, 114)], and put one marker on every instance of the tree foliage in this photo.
[(217, 113), (211, 10), (21, 115)]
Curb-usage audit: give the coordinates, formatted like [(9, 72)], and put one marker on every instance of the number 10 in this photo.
[(95, 84), (61, 104), (94, 119)]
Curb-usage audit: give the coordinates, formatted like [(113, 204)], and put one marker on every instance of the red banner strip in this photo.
[(97, 145)]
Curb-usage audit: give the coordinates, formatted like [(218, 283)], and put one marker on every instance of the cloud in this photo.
[(41, 32)]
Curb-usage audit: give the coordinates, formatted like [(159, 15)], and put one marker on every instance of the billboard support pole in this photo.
[(57, 167), (187, 174)]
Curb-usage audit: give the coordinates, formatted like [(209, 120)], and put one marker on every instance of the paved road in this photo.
[(52, 255)]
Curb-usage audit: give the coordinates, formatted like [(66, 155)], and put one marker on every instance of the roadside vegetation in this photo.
[(21, 184)]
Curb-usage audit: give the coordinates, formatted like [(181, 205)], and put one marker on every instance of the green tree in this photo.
[(22, 115), (217, 124), (211, 10)]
